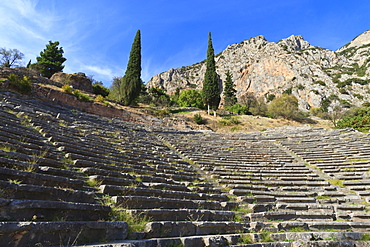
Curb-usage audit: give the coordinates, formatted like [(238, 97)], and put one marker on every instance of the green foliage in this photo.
[(285, 106), (67, 88), (114, 90), (270, 97), (190, 98), (211, 88), (229, 91), (322, 83), (245, 239), (360, 123), (11, 57), (50, 60), (238, 109), (365, 237), (198, 118), (228, 121), (80, 96), (359, 96), (337, 182), (136, 223), (130, 85), (288, 91), (341, 84), (22, 85), (159, 97), (266, 237), (324, 104), (99, 89)]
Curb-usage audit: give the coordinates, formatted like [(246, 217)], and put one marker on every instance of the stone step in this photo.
[(139, 191), (146, 202), (40, 192), (292, 215), (40, 210), (65, 233), (183, 214), (24, 177), (188, 228)]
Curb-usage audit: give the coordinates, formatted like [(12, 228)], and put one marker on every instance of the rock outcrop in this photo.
[(312, 74), (77, 80)]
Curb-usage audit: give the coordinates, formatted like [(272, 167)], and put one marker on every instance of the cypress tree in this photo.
[(130, 86), (229, 90), (50, 60), (211, 88)]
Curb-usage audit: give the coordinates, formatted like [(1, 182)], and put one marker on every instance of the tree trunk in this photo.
[(208, 110)]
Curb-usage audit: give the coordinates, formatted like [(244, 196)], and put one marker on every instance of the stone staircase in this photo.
[(69, 178)]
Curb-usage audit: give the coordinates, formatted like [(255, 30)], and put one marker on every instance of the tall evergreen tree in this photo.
[(211, 88), (50, 60), (131, 82), (229, 90)]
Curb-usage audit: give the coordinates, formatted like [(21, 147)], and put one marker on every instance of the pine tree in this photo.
[(211, 88), (229, 90), (131, 82), (50, 60)]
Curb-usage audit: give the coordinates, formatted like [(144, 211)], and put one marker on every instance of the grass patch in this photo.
[(266, 237), (7, 148), (297, 229), (136, 223), (93, 182), (365, 237), (337, 182), (245, 239), (14, 181)]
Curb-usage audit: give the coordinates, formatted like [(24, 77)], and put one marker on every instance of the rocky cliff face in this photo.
[(312, 74)]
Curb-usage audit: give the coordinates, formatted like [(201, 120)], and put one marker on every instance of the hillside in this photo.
[(265, 68), (71, 178)]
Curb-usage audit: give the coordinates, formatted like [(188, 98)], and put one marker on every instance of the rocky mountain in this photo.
[(266, 69)]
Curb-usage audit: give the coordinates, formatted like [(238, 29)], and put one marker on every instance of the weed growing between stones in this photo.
[(336, 182), (14, 181), (365, 237), (245, 239), (93, 183), (266, 237), (7, 148), (136, 223), (297, 229)]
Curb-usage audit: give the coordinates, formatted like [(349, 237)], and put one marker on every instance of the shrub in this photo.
[(285, 106), (67, 88), (99, 98), (322, 83), (99, 89), (360, 123), (22, 85), (80, 96), (227, 121), (190, 98), (238, 109), (198, 118)]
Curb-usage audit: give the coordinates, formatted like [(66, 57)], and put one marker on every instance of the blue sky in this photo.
[(97, 35)]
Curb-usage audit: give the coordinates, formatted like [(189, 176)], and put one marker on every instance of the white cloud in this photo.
[(101, 71)]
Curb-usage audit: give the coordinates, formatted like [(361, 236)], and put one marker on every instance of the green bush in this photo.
[(238, 109), (190, 98), (80, 96), (357, 118), (22, 85), (67, 88), (198, 118), (285, 106), (322, 83), (228, 121), (99, 89)]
